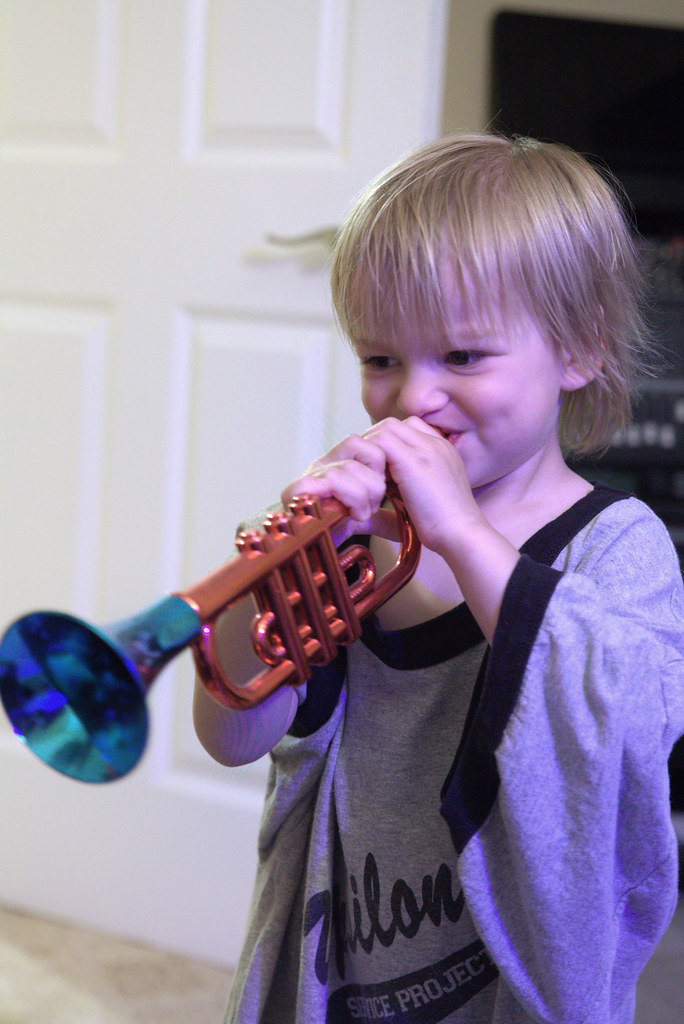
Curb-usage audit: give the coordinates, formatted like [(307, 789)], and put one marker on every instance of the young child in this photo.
[(467, 816)]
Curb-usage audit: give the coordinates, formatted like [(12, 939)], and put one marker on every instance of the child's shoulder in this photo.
[(624, 529), (620, 511)]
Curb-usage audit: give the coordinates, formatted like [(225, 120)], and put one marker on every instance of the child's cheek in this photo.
[(371, 402)]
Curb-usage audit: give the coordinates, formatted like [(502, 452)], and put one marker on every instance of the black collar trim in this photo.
[(455, 631), (472, 784)]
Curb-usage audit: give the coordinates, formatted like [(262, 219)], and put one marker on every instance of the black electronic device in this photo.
[(614, 91)]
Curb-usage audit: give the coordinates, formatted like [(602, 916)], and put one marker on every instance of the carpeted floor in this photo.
[(54, 974)]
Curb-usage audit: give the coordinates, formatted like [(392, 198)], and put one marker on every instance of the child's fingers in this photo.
[(353, 472), (430, 475), (359, 487), (353, 447), (410, 446), (412, 432)]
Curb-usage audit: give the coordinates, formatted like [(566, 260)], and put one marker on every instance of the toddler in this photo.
[(467, 816)]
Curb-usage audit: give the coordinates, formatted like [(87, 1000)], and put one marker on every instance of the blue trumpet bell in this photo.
[(75, 693)]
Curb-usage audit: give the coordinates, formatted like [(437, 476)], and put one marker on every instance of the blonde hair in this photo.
[(530, 224)]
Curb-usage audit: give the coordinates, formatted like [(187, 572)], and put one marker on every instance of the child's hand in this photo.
[(431, 478), (354, 473), (433, 483), (426, 468)]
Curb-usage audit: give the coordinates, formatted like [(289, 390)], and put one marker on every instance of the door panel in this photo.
[(159, 381)]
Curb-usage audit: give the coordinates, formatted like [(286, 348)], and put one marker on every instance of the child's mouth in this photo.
[(450, 435)]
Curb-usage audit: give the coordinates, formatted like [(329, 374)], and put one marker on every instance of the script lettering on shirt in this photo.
[(406, 914)]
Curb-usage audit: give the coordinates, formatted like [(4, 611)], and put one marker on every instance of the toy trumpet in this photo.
[(75, 693)]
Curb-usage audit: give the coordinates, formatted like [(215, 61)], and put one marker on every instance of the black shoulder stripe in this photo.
[(546, 545), (472, 784), (322, 695)]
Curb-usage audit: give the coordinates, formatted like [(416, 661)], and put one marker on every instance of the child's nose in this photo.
[(421, 393)]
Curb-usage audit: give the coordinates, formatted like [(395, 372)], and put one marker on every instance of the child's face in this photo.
[(493, 392)]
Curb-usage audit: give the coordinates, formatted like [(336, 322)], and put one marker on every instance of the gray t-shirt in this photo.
[(377, 926), (434, 818), (403, 943)]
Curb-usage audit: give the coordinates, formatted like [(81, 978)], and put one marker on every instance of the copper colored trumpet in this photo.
[(75, 693)]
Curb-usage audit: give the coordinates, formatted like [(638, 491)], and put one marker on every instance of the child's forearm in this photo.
[(239, 737), (482, 562)]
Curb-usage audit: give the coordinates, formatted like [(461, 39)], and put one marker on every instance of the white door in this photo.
[(164, 371)]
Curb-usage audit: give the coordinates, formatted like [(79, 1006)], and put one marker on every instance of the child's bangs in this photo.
[(404, 288), (392, 286)]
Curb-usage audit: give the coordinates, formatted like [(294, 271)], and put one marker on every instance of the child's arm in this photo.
[(240, 737), (447, 519), (432, 481), (558, 801)]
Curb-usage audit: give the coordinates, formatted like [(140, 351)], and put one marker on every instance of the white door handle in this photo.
[(311, 250)]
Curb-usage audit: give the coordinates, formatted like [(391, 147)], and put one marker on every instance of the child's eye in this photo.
[(463, 357), (379, 362)]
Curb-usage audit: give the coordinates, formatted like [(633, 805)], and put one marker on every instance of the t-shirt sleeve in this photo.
[(558, 799)]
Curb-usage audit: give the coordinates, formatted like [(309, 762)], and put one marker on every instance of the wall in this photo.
[(467, 60)]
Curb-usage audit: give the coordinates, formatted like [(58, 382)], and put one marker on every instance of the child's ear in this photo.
[(576, 375)]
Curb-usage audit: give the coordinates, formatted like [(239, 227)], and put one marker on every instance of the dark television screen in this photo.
[(611, 90)]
